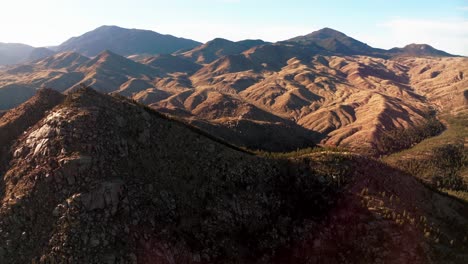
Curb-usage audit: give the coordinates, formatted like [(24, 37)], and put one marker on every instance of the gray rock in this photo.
[(107, 195), (94, 242), (109, 259)]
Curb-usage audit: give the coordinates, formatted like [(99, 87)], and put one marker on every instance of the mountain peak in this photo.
[(418, 46), (107, 53), (111, 58), (419, 50), (109, 27), (65, 54), (334, 41), (220, 40), (213, 50), (327, 33), (219, 43), (125, 42)]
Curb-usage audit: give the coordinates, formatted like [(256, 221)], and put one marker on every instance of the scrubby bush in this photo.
[(399, 139), (443, 167)]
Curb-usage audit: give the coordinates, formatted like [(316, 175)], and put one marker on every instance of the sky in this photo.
[(379, 23)]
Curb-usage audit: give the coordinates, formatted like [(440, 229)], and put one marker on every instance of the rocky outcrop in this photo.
[(105, 180), (14, 122)]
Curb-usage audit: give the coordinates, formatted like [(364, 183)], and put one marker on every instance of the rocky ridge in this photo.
[(101, 179)]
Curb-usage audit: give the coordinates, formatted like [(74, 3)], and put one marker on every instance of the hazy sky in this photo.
[(380, 23)]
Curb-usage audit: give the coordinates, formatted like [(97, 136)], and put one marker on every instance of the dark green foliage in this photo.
[(399, 139), (448, 161), (298, 153), (442, 170)]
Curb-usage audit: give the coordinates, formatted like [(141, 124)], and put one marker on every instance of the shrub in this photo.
[(399, 139)]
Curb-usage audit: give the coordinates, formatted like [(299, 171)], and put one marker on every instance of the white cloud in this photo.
[(464, 8), (450, 35)]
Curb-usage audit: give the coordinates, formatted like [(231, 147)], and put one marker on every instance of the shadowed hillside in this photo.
[(140, 188)]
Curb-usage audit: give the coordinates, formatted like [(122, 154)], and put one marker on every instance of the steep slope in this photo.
[(102, 180), (170, 64), (275, 56), (352, 102), (65, 71), (57, 72), (133, 86), (349, 101), (215, 49), (124, 42), (68, 60), (236, 121), (443, 81), (109, 71)]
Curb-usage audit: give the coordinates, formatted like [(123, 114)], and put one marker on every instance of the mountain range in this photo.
[(128, 42), (121, 40), (129, 146), (319, 88)]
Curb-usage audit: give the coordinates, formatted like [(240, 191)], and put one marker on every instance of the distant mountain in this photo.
[(419, 50), (335, 41), (169, 63), (40, 53), (250, 43), (15, 53), (217, 48), (12, 53), (125, 42), (338, 42), (12, 95)]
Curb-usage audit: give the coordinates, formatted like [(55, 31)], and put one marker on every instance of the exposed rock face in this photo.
[(103, 180), (15, 122)]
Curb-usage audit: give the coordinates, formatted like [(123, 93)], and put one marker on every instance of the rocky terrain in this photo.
[(102, 179)]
